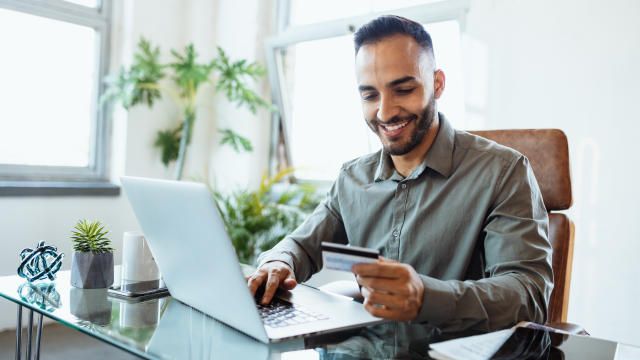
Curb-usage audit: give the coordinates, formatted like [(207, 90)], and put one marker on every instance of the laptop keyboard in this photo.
[(280, 313)]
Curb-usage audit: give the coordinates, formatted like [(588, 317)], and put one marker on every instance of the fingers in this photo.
[(388, 306), (385, 299), (273, 281), (384, 259), (279, 276), (381, 284), (273, 275), (381, 312), (398, 291), (289, 283), (384, 269), (255, 280)]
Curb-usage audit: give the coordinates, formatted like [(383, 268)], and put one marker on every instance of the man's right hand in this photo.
[(274, 274)]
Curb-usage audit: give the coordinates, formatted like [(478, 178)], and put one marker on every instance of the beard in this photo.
[(423, 124)]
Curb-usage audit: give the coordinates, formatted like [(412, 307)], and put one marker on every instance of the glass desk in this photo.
[(164, 328)]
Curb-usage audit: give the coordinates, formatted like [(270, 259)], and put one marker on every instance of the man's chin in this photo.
[(397, 148)]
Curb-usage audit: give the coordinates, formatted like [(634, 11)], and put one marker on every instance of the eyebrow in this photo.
[(391, 84), (400, 81)]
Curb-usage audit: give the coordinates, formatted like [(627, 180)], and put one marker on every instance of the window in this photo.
[(55, 55), (313, 80), (303, 12)]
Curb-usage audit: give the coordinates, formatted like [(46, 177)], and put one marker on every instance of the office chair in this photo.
[(548, 154)]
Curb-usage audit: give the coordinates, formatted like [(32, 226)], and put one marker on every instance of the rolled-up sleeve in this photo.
[(517, 264), (302, 250)]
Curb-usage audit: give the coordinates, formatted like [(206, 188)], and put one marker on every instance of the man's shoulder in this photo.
[(366, 164), (485, 148)]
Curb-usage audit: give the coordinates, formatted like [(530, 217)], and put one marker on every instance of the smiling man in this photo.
[(459, 220)]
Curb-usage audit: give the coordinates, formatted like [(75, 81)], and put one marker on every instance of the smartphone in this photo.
[(143, 288)]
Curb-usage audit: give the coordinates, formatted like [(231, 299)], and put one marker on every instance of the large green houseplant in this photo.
[(257, 220), (186, 83)]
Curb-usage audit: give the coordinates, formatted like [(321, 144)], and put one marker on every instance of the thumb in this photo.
[(384, 259), (290, 281)]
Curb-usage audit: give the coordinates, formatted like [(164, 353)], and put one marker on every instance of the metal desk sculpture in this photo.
[(34, 264)]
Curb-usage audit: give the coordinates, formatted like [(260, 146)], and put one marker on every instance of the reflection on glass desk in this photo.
[(164, 328)]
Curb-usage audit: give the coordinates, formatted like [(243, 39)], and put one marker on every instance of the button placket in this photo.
[(399, 210)]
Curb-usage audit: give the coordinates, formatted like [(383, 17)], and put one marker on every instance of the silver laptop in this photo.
[(189, 242)]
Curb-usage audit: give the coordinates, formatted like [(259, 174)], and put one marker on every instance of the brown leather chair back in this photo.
[(548, 154)]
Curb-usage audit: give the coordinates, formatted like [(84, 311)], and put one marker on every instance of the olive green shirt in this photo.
[(470, 220)]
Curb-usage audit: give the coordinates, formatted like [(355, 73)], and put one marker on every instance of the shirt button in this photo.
[(395, 234), (404, 186)]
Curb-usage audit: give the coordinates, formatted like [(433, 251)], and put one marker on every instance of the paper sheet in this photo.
[(627, 352), (479, 347)]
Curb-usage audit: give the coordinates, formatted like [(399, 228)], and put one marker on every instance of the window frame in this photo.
[(58, 177), (290, 35)]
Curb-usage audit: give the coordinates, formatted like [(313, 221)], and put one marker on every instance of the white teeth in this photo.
[(395, 127)]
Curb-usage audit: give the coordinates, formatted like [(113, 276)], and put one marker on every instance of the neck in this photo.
[(405, 164)]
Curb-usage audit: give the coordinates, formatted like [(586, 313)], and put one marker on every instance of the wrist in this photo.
[(276, 261), (277, 258), (438, 302), (420, 295)]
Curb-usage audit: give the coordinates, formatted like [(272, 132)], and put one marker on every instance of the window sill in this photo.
[(33, 188)]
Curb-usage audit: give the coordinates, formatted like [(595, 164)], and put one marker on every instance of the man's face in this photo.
[(396, 83)]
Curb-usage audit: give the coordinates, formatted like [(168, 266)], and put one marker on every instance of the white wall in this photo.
[(237, 26), (573, 65)]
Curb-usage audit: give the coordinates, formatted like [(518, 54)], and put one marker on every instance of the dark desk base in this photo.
[(29, 335)]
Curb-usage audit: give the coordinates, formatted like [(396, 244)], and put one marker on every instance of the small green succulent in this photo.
[(88, 236)]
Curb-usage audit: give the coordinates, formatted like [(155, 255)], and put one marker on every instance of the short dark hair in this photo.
[(387, 25)]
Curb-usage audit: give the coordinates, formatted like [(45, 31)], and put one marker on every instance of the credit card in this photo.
[(342, 257)]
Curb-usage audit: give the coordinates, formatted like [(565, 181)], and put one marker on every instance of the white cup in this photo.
[(138, 263)]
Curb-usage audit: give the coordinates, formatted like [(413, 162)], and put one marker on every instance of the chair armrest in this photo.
[(563, 329), (572, 329)]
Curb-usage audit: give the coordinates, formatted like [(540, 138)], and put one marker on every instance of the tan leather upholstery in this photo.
[(561, 234), (548, 153)]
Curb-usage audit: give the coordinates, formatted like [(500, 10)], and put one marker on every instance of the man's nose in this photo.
[(388, 109)]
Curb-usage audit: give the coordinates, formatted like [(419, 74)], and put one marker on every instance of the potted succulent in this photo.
[(92, 264)]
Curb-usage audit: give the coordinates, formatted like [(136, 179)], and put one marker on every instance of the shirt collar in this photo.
[(438, 158)]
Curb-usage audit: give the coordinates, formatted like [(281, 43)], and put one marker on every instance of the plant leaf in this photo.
[(188, 74), (234, 140), (255, 222), (124, 88), (89, 237), (169, 143), (233, 81)]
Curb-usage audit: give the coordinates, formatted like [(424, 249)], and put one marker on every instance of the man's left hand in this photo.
[(395, 288)]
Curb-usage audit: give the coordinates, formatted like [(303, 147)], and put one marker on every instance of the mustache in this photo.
[(394, 120)]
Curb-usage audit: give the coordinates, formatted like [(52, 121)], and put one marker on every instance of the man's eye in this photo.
[(369, 97), (405, 91)]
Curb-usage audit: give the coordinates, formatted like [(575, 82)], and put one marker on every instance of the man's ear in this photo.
[(438, 83)]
